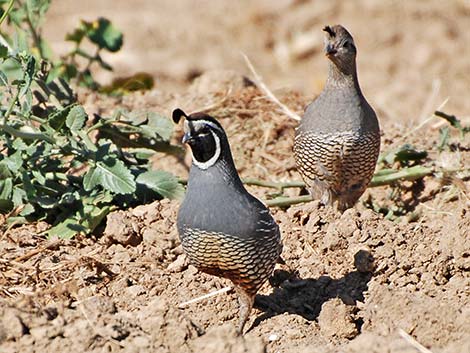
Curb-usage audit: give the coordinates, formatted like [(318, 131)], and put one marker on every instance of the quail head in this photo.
[(224, 230), (338, 140)]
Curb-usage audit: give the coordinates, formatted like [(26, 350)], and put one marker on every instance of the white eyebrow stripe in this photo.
[(201, 123)]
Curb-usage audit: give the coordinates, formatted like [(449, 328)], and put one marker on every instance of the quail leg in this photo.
[(246, 302)]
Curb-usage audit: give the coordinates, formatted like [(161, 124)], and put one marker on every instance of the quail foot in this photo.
[(338, 140), (224, 230)]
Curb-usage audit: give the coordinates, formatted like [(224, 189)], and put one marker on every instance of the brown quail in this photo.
[(224, 230), (338, 140)]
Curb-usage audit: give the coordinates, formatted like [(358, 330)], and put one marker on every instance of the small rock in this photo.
[(336, 320), (272, 337), (14, 326), (150, 236), (179, 265), (141, 342), (136, 290), (364, 261), (119, 332), (98, 305), (122, 229)]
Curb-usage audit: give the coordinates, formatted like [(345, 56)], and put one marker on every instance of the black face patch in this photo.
[(203, 145)]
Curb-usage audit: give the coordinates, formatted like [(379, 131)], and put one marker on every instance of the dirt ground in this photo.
[(353, 282)]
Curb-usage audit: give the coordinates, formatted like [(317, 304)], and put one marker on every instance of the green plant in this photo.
[(444, 132), (104, 36), (26, 17), (57, 163)]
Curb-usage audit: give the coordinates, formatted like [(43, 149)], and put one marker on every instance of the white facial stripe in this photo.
[(185, 126), (216, 155), (200, 123)]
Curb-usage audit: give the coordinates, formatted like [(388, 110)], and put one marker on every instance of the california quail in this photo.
[(338, 140), (224, 230)]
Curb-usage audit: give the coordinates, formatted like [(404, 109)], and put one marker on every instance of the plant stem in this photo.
[(10, 107), (269, 184), (382, 177), (411, 173), (385, 178), (26, 135), (7, 11), (284, 201), (34, 33)]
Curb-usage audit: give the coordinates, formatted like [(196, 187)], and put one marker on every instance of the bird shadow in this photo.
[(305, 297)]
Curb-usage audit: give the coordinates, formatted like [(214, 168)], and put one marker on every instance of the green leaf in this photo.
[(161, 125), (94, 215), (409, 153), (66, 229), (112, 174), (105, 35), (77, 35), (17, 15), (86, 140), (3, 79), (3, 51), (58, 118), (13, 162), (27, 104), (443, 138), (6, 188), (27, 210), (29, 71), (164, 183), (41, 179), (143, 153), (28, 186), (6, 205), (454, 122), (86, 79), (4, 170), (36, 10), (76, 118), (19, 196)]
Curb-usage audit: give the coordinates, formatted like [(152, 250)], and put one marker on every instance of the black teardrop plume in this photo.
[(328, 30), (177, 114)]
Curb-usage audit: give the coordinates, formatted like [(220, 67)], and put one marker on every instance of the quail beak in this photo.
[(187, 132), (186, 137), (330, 50)]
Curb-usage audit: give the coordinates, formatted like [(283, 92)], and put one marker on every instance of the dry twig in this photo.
[(205, 296), (259, 82), (413, 342), (30, 254)]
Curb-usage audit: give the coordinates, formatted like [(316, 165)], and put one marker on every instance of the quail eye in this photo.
[(349, 46), (203, 133)]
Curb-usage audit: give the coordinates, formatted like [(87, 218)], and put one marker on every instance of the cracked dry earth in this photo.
[(352, 282)]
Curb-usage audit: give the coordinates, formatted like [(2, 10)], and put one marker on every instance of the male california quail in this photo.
[(338, 140), (224, 230)]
